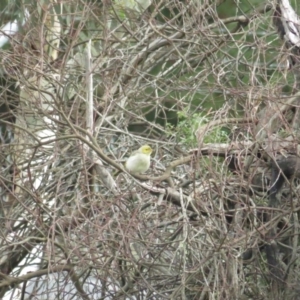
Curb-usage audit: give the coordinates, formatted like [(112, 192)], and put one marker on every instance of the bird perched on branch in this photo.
[(287, 23), (139, 160)]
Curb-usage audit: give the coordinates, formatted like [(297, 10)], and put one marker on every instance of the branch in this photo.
[(9, 280)]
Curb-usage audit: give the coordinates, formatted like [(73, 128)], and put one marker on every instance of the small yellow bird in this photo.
[(139, 160)]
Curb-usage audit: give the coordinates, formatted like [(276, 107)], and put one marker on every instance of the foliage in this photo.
[(187, 126)]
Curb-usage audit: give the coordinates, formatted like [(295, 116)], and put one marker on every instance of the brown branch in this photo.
[(9, 280)]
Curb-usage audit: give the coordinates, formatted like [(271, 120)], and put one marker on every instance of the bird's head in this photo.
[(146, 149)]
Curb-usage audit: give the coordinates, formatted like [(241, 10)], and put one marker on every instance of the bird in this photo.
[(139, 161)]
